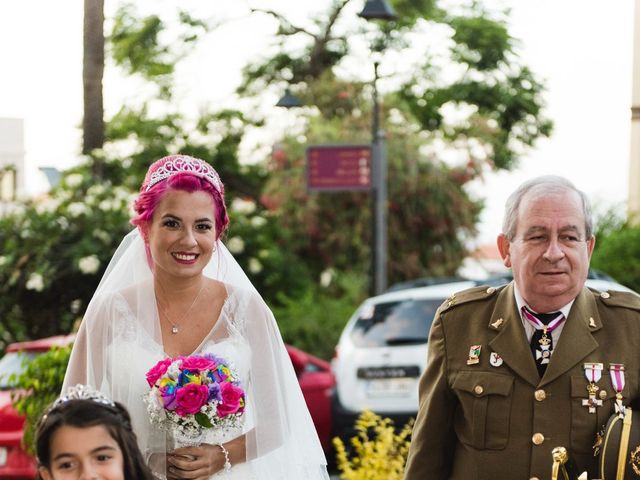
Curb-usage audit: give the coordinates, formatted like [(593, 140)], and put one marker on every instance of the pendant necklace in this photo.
[(175, 326)]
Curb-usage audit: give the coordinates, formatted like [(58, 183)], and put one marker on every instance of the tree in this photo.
[(92, 73), (617, 249), (466, 98)]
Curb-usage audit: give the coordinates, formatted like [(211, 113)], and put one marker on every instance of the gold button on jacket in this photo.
[(460, 434)]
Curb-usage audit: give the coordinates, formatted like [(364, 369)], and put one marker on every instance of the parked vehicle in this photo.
[(382, 351), (314, 375), (15, 463), (317, 383)]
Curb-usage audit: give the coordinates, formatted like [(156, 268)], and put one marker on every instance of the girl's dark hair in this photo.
[(89, 413)]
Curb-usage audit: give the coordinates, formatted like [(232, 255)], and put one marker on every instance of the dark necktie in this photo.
[(541, 340)]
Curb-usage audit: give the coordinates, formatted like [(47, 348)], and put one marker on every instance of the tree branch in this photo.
[(319, 50), (286, 27)]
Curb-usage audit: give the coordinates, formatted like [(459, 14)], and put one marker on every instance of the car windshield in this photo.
[(404, 322), (12, 363)]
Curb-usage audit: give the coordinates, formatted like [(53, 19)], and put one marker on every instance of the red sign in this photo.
[(339, 167)]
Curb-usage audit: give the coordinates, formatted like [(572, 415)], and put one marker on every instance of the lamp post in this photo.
[(380, 10), (289, 100)]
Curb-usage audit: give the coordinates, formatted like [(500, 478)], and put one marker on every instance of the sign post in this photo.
[(338, 167)]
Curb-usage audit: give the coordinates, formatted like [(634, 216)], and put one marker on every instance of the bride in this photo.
[(172, 288)]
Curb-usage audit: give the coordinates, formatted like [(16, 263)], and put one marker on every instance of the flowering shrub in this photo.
[(379, 453), (37, 386), (192, 393), (54, 250)]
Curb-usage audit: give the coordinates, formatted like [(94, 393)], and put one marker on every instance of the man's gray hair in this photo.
[(547, 184)]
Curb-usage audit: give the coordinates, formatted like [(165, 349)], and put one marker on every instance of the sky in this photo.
[(581, 48)]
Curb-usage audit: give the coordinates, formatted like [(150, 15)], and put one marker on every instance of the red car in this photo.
[(314, 375), (317, 383), (15, 463)]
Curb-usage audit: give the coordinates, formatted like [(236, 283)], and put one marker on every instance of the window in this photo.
[(404, 322)]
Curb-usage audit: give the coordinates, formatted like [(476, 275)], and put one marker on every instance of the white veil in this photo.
[(120, 339)]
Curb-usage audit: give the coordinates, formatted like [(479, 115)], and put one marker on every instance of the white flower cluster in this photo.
[(73, 180), (89, 264), (235, 245), (35, 282), (254, 265), (246, 207)]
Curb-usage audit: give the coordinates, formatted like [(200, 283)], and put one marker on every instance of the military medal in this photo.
[(543, 350), (593, 372), (498, 323), (616, 372), (474, 354), (495, 360)]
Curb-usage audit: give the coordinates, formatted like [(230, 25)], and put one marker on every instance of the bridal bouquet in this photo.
[(194, 393)]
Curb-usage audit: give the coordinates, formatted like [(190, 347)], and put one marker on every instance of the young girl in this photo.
[(86, 435)]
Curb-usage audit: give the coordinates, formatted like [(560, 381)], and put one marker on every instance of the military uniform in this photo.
[(489, 415)]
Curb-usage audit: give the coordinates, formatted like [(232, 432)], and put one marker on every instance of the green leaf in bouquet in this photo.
[(203, 420)]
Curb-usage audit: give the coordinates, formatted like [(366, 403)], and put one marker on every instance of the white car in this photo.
[(382, 351)]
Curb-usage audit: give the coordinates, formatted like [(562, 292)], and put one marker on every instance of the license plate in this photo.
[(379, 373), (3, 456), (391, 387)]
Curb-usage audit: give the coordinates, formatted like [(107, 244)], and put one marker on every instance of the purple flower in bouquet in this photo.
[(168, 396), (214, 391)]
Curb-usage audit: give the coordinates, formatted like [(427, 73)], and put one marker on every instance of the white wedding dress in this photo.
[(120, 339), (225, 341)]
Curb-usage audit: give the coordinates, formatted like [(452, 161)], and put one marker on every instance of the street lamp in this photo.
[(289, 100), (378, 10)]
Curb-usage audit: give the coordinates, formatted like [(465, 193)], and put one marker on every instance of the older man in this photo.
[(543, 362)]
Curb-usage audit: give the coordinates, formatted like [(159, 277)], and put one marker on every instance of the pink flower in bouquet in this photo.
[(157, 371), (197, 363), (232, 399), (190, 398)]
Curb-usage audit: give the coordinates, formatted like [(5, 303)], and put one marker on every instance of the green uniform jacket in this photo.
[(482, 421)]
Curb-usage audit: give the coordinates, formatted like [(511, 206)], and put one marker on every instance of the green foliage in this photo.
[(314, 320), (379, 452), (617, 253), (480, 42), (140, 44), (37, 387)]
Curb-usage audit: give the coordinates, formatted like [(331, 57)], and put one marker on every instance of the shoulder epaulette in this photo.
[(470, 295), (614, 298)]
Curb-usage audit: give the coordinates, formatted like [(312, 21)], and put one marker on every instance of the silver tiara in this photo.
[(82, 392), (185, 164)]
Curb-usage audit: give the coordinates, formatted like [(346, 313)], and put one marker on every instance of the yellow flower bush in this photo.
[(379, 453)]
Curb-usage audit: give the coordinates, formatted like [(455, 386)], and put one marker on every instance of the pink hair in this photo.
[(147, 201)]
